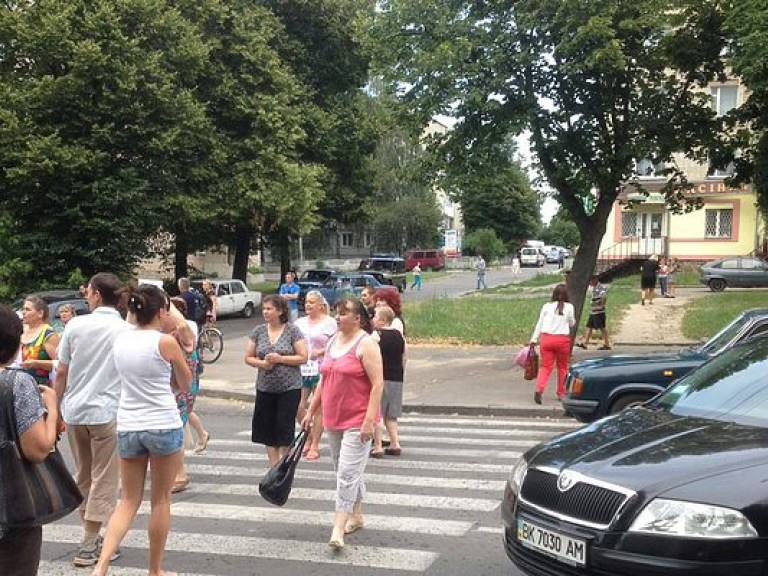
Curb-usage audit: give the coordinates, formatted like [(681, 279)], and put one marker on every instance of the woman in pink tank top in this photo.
[(349, 392)]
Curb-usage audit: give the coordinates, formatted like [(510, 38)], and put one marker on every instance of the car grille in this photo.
[(539, 564), (583, 503)]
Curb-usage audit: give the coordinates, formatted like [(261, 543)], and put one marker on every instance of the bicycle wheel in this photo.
[(211, 345)]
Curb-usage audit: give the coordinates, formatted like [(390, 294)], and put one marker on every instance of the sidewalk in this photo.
[(479, 380)]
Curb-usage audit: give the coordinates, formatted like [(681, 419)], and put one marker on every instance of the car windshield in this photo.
[(729, 388), (716, 344)]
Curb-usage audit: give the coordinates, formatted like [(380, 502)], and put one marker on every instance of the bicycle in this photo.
[(210, 344)]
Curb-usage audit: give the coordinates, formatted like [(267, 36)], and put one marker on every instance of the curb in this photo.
[(491, 411)]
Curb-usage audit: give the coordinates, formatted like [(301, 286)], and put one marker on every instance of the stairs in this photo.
[(624, 258)]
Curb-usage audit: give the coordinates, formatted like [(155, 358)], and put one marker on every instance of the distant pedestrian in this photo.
[(480, 267), (66, 313), (515, 266), (674, 269), (88, 388), (596, 320), (648, 272), (416, 277), (393, 356), (556, 320), (289, 292), (277, 348), (663, 277), (39, 342), (150, 433), (560, 259), (350, 395)]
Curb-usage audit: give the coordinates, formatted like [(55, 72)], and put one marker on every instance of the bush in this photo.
[(484, 241)]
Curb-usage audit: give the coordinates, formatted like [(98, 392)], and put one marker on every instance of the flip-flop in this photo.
[(393, 451), (375, 454), (180, 486), (353, 526), (202, 444), (313, 455)]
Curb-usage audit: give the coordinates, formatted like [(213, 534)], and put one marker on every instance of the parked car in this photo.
[(312, 279), (386, 269), (737, 272), (340, 285), (429, 259), (55, 300), (598, 387), (233, 297), (532, 257), (676, 486)]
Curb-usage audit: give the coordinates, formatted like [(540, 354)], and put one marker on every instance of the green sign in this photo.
[(589, 204)]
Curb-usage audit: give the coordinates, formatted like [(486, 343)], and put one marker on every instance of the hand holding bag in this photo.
[(531, 368), (276, 485), (31, 493)]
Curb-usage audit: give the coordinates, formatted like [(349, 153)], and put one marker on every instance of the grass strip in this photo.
[(706, 315)]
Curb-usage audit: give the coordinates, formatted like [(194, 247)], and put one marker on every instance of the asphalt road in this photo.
[(433, 511)]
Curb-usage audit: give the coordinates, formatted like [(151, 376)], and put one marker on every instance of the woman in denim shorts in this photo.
[(149, 429)]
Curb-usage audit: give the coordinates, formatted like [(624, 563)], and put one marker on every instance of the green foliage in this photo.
[(708, 314), (561, 231), (484, 241)]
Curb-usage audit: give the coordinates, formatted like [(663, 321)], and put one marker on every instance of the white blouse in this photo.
[(550, 322)]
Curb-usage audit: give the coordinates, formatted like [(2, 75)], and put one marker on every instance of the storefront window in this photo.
[(718, 223)]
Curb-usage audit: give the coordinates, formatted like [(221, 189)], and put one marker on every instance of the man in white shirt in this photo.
[(88, 387)]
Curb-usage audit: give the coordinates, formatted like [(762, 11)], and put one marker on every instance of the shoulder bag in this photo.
[(276, 485), (531, 367), (31, 494)]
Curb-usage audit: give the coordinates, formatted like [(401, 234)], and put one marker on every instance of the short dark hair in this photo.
[(359, 308), (11, 329), (280, 304), (109, 286)]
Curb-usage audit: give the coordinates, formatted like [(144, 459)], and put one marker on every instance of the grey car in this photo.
[(736, 272)]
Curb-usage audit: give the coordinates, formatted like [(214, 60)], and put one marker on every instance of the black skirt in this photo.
[(274, 417)]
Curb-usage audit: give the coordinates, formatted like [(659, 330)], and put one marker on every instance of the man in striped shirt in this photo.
[(596, 319)]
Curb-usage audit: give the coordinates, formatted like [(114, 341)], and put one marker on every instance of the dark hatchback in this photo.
[(598, 387), (676, 486)]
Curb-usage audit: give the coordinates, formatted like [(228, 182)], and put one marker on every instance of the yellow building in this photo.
[(727, 224)]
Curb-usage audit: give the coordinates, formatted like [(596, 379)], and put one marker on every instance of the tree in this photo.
[(561, 231), (404, 211), (600, 85), (484, 241), (95, 114)]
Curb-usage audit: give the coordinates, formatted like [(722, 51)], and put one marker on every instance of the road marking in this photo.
[(66, 568), (412, 439), (371, 498), (506, 456), (528, 432), (273, 548), (492, 423), (489, 530), (370, 478)]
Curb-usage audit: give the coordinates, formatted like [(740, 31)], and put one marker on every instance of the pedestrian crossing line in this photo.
[(401, 464), (370, 477), (253, 548), (410, 524), (66, 568), (489, 530), (507, 456), (434, 432), (371, 498), (413, 439), (492, 423)]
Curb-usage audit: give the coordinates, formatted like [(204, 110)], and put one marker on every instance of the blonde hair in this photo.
[(386, 313), (320, 298)]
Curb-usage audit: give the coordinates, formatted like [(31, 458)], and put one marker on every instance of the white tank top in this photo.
[(146, 399)]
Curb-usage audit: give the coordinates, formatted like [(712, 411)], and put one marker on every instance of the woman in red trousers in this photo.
[(556, 321)]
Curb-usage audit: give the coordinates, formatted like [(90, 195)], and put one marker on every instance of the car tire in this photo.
[(628, 401), (717, 284), (248, 310)]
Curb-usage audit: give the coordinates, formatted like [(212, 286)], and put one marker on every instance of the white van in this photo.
[(532, 257)]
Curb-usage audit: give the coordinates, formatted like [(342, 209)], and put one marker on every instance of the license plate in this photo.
[(572, 551)]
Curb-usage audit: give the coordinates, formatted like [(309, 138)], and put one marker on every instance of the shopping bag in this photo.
[(276, 485), (531, 367), (522, 356)]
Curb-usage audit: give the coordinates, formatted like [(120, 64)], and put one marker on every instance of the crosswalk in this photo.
[(446, 486)]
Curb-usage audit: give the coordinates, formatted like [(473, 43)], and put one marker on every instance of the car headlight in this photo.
[(691, 519), (518, 475)]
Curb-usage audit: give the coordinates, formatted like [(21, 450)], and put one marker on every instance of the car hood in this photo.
[(655, 452), (309, 284), (625, 360)]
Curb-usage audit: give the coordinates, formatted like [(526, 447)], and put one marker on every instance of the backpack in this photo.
[(201, 306)]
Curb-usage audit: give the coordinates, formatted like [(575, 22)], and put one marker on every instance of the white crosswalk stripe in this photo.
[(447, 484)]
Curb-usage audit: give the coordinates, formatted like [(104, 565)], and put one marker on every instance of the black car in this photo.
[(312, 279), (386, 269), (676, 486), (601, 386)]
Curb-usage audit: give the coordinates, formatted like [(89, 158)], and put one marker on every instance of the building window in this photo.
[(724, 99), (628, 224), (346, 239), (718, 223), (368, 239), (645, 168)]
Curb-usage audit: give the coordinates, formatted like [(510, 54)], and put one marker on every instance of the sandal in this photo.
[(202, 444), (180, 486), (313, 455), (353, 526), (377, 453), (393, 451)]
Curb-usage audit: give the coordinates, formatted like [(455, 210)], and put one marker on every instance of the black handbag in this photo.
[(31, 494), (276, 485)]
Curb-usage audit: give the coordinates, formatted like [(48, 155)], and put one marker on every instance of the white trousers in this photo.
[(349, 456)]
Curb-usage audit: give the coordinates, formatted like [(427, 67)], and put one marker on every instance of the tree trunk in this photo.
[(180, 252), (243, 235), (284, 253)]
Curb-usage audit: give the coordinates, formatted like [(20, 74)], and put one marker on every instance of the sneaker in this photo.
[(90, 556)]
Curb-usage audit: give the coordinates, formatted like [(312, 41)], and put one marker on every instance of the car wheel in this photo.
[(248, 310), (627, 401), (717, 284)]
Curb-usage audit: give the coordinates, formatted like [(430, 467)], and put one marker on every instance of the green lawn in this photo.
[(683, 279), (705, 316), (267, 287)]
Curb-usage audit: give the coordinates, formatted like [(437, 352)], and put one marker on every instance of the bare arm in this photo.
[(51, 346), (38, 440), (171, 351), (60, 385), (370, 357), (186, 336)]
